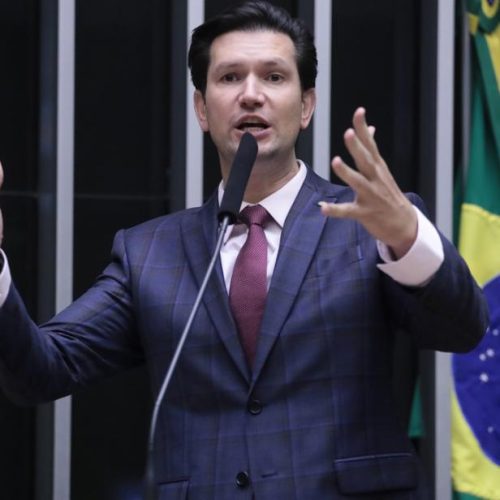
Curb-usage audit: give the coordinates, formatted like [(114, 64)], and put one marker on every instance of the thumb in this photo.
[(339, 210)]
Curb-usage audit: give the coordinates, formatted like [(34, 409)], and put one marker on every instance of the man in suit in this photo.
[(303, 411)]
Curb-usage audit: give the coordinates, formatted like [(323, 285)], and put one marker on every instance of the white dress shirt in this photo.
[(415, 268)]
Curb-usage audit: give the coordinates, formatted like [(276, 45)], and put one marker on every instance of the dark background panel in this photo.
[(122, 177), (110, 435), (96, 221), (18, 154), (17, 453), (375, 65), (19, 93), (122, 87)]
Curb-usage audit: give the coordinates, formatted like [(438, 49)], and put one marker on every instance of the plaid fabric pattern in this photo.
[(314, 419)]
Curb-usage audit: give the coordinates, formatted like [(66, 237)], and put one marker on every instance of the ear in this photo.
[(200, 109), (308, 106)]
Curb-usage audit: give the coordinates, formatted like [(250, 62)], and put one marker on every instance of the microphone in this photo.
[(228, 212), (238, 178)]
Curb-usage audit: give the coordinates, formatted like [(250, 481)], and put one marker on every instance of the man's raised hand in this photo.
[(379, 205)]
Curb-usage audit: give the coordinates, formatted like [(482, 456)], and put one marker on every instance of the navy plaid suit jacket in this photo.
[(315, 418)]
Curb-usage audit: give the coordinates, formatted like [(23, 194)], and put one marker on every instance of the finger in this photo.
[(352, 178), (1, 175), (339, 210), (362, 157), (363, 132)]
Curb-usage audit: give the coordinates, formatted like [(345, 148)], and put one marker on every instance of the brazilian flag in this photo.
[(476, 375)]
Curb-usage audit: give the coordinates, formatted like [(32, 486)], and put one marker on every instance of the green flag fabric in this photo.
[(476, 375)]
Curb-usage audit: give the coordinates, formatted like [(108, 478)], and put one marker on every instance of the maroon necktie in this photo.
[(248, 290)]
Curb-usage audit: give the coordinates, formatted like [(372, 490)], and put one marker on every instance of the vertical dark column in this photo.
[(405, 56), (304, 9), (19, 60), (177, 55), (427, 107), (47, 152), (47, 176), (427, 188), (375, 65), (125, 91)]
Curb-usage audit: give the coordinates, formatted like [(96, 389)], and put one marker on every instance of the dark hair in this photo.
[(252, 16)]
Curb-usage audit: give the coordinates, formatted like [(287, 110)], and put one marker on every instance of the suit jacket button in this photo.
[(255, 406), (242, 479)]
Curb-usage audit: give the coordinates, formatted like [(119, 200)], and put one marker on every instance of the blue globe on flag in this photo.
[(477, 380)]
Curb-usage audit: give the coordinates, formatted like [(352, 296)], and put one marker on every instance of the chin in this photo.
[(268, 153)]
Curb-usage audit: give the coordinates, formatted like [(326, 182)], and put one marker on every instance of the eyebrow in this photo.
[(270, 63)]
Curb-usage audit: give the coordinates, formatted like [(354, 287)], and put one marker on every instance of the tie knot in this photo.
[(255, 214)]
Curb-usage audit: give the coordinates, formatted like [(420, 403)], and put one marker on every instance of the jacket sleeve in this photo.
[(92, 338), (450, 313)]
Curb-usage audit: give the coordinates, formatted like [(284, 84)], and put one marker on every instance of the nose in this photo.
[(251, 92)]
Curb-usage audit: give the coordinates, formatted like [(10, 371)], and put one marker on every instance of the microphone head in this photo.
[(238, 178)]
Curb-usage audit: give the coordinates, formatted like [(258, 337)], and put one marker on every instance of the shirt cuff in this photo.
[(5, 278), (421, 262)]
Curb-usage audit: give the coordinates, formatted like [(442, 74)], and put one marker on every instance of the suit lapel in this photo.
[(199, 235), (299, 240)]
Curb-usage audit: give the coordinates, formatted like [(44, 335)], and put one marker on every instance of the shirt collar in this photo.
[(279, 203)]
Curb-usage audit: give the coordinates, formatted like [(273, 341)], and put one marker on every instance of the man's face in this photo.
[(253, 85)]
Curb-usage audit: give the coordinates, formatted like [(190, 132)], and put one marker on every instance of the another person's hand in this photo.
[(379, 205)]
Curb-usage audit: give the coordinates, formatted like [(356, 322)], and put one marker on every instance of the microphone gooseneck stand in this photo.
[(228, 214), (151, 487)]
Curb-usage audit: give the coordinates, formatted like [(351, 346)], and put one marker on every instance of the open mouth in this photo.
[(252, 126)]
